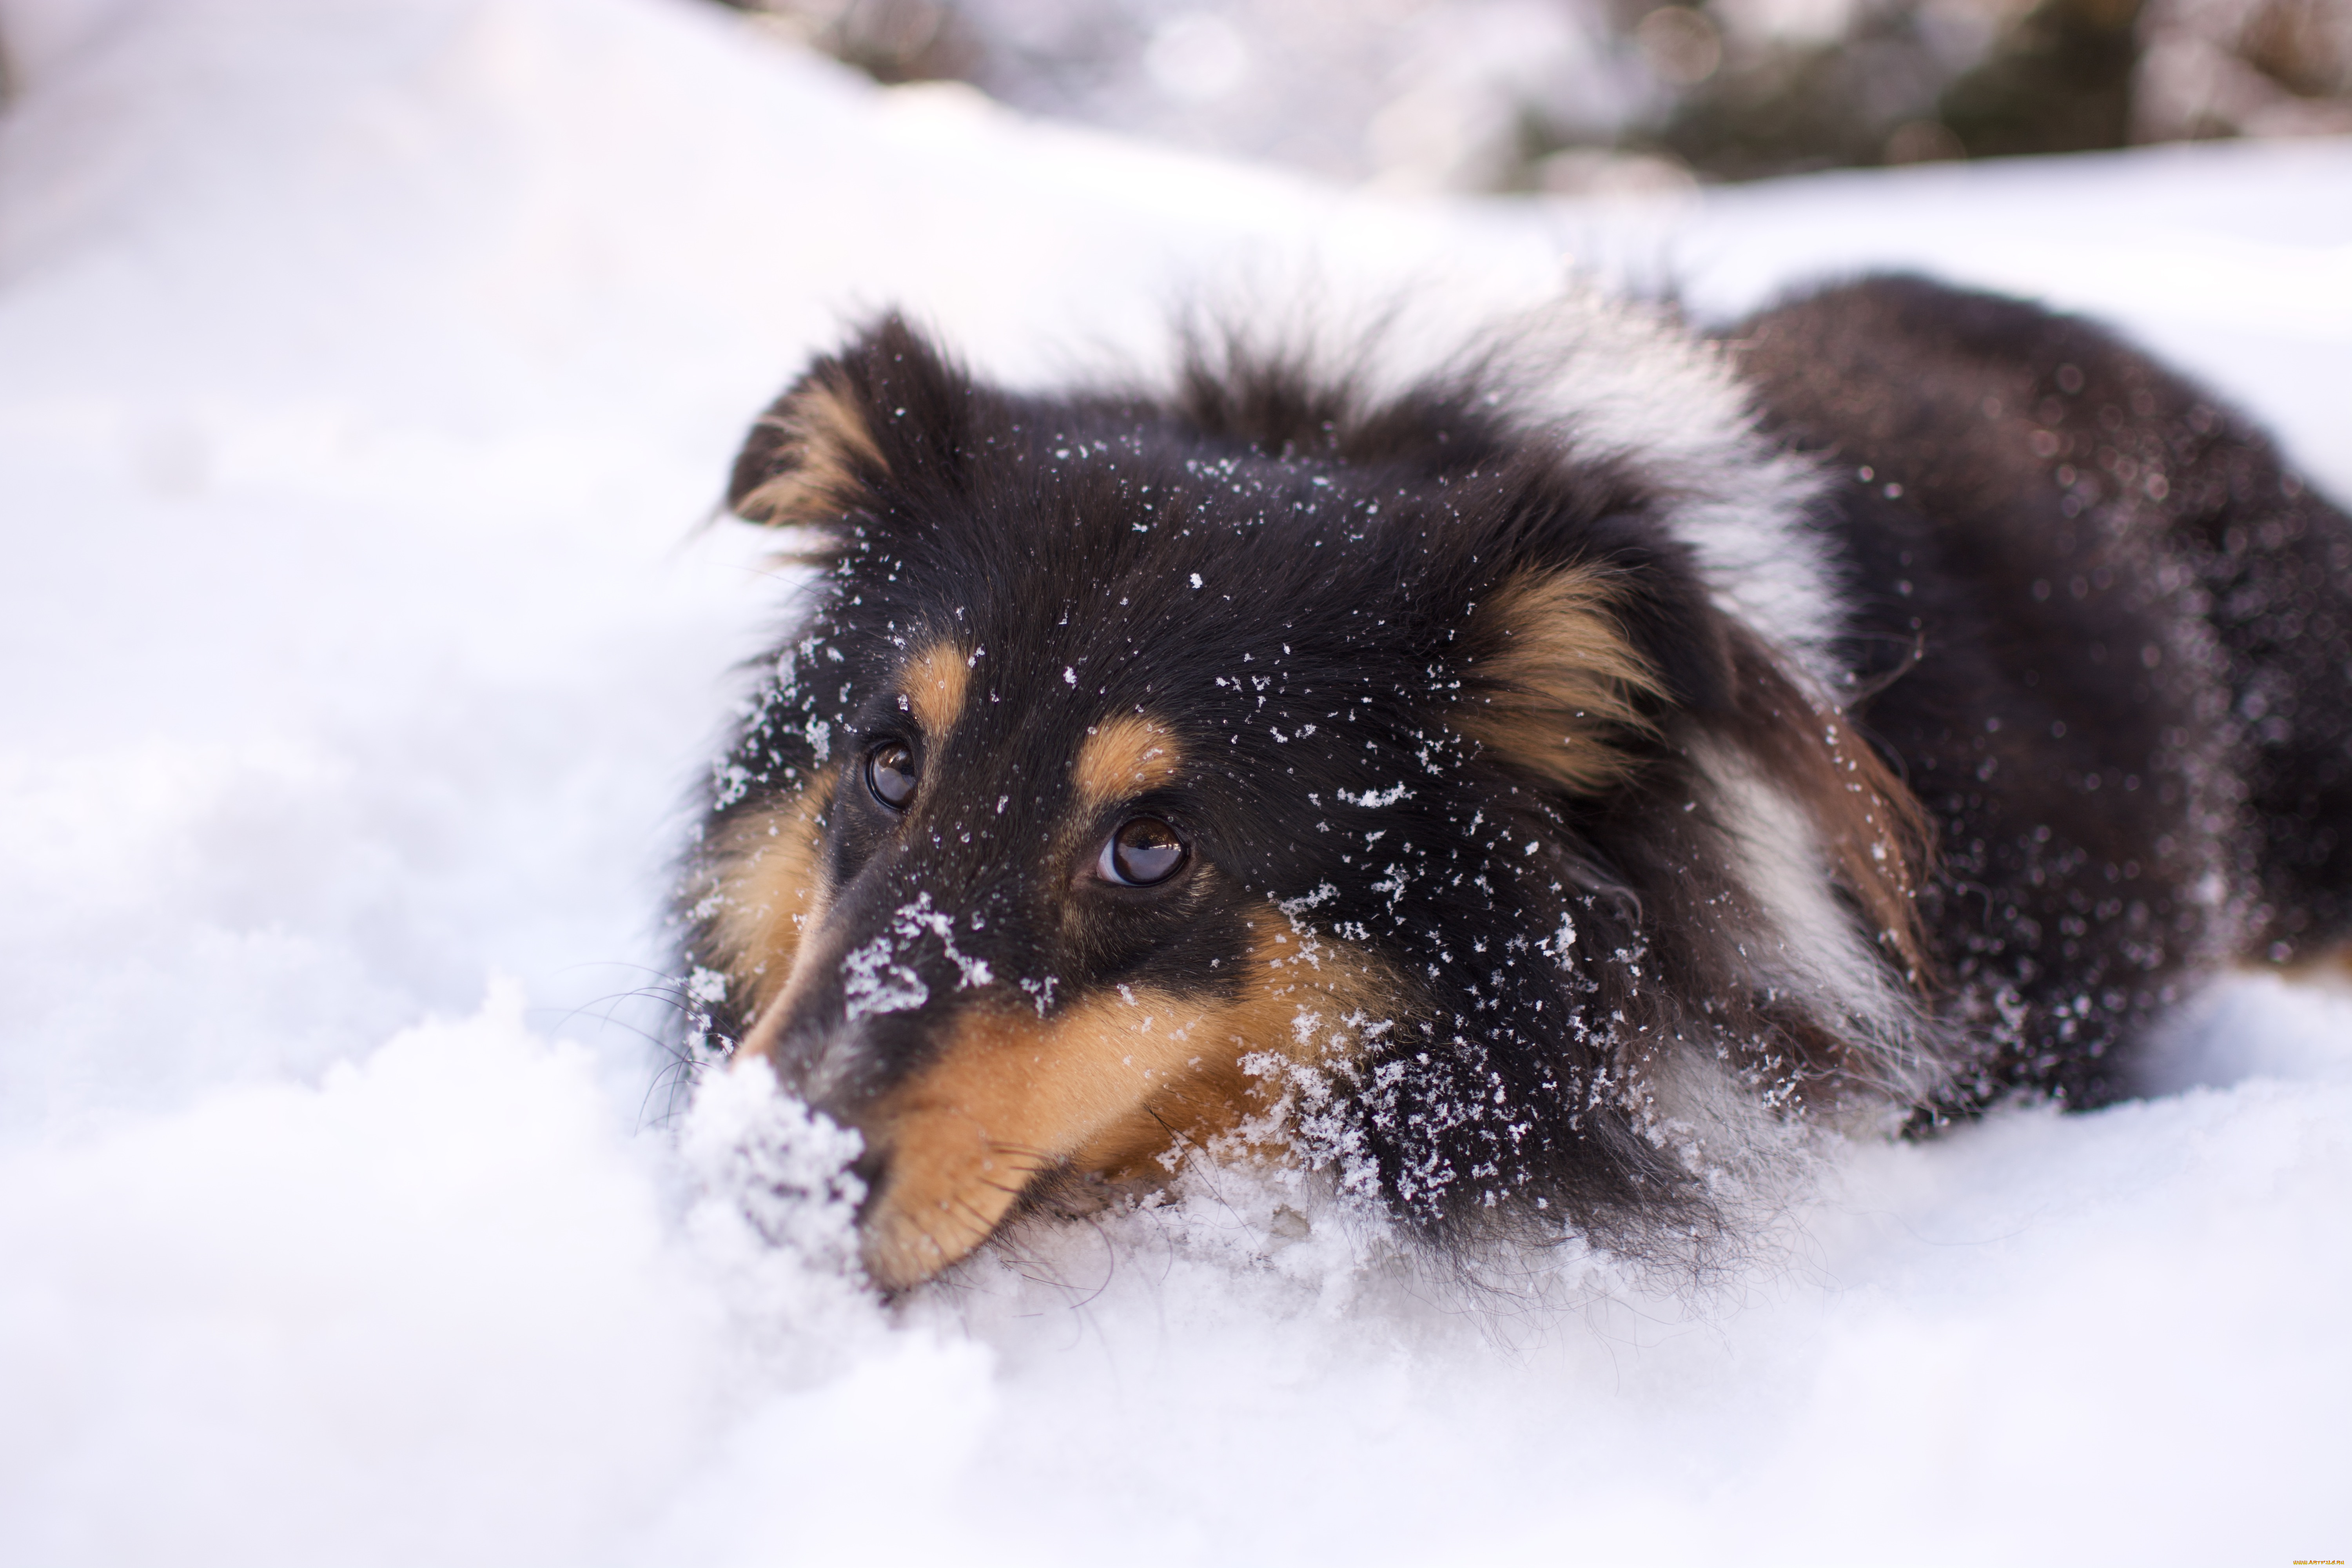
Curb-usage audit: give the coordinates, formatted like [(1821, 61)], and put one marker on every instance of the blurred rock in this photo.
[(2056, 80), (1593, 95), (1596, 172), (2243, 68)]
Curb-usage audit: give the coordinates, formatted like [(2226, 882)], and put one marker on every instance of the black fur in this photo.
[(2059, 506), (2119, 702)]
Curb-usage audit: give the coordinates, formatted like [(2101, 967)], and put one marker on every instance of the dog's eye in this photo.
[(890, 774), (1143, 851)]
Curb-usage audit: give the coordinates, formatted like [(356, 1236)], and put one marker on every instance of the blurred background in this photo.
[(1598, 96)]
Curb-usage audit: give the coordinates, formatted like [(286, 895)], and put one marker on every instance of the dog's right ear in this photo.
[(888, 412), (811, 456)]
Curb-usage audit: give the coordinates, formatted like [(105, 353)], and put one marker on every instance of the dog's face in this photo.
[(1122, 764), (1032, 927)]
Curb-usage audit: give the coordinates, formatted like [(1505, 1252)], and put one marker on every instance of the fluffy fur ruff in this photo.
[(1516, 782)]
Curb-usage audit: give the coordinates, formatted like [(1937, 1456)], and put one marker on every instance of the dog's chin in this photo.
[(906, 1237), (904, 1245), (897, 1253)]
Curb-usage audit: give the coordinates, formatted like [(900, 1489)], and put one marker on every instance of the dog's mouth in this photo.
[(925, 1213), (1005, 1102), (1004, 1099)]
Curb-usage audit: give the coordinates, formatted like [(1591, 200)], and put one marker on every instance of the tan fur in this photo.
[(1103, 1087), (1879, 841), (770, 868), (768, 875), (1563, 682), (1125, 756), (934, 681), (2324, 965), (822, 437), (1875, 834)]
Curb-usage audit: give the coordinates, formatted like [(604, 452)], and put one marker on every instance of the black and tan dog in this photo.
[(1515, 783)]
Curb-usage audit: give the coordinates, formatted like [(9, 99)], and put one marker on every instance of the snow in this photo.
[(366, 370)]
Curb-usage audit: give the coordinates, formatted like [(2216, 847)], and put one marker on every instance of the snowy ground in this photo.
[(364, 370)]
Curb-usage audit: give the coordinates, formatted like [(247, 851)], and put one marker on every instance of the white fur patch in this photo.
[(1622, 382), (1810, 946)]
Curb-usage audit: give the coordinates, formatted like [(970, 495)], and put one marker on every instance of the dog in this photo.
[(1513, 781)]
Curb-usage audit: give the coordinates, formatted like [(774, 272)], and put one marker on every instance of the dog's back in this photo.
[(2108, 640)]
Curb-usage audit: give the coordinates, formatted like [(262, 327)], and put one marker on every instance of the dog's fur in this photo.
[(1888, 706)]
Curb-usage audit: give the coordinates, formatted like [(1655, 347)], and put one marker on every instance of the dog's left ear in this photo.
[(1555, 682), (889, 408)]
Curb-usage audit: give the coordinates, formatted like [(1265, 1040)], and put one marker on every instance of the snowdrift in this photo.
[(366, 368)]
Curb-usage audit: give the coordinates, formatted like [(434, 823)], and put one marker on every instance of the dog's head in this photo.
[(1132, 751)]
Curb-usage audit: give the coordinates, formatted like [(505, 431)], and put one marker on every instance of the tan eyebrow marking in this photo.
[(934, 682), (1125, 756)]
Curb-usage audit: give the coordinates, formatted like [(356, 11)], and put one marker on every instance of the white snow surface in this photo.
[(366, 367)]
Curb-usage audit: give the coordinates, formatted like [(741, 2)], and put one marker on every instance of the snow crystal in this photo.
[(874, 982)]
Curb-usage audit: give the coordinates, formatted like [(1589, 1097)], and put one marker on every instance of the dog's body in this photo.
[(1515, 786)]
